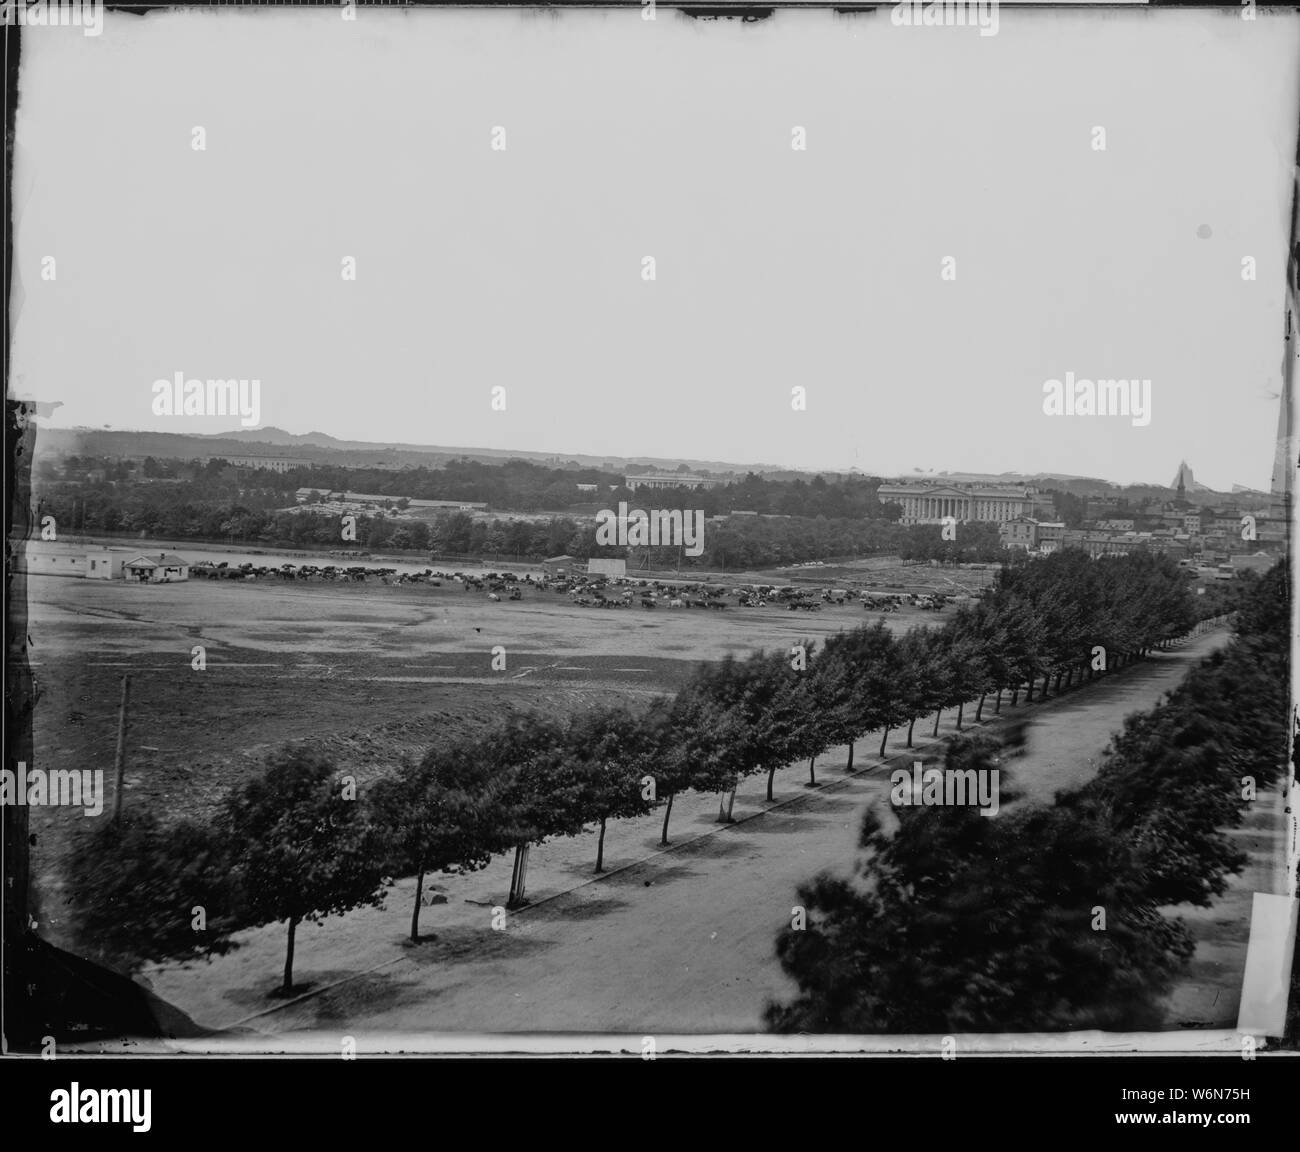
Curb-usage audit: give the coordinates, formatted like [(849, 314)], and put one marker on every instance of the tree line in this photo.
[(257, 518), (299, 841), (1049, 917)]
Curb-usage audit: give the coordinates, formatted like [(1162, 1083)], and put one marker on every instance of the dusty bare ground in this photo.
[(368, 672)]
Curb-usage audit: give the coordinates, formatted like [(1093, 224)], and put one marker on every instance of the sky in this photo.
[(775, 268)]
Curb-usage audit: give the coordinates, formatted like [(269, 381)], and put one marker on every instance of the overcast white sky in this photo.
[(628, 138)]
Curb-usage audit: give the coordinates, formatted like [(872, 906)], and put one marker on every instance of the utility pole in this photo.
[(120, 764)]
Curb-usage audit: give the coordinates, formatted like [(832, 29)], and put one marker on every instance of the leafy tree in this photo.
[(617, 752), (148, 890), (300, 850), (427, 823), (541, 789), (962, 923)]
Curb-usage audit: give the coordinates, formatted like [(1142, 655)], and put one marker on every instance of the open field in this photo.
[(366, 671)]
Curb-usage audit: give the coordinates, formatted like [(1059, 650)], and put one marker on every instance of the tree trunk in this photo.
[(771, 772), (911, 724), (415, 912), (600, 847), (1029, 691), (1015, 691), (882, 741), (663, 840), (725, 802), (997, 703), (518, 880), (979, 709), (288, 957), (812, 776), (849, 766), (960, 705), (938, 712)]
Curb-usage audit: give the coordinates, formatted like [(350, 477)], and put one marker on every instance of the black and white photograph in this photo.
[(651, 531)]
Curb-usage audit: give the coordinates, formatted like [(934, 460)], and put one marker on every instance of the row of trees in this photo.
[(298, 842), (1049, 917), (258, 516), (507, 485)]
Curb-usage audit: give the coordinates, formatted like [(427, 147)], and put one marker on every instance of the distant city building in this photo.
[(273, 463), (1020, 533), (328, 494), (1114, 525), (669, 480), (929, 503), (1049, 535)]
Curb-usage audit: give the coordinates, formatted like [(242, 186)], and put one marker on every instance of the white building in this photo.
[(105, 563), (274, 463), (669, 480), (48, 557), (929, 503), (156, 568), (597, 567)]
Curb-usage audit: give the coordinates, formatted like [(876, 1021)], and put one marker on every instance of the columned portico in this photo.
[(929, 504)]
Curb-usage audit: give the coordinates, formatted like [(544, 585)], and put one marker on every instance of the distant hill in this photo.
[(322, 448)]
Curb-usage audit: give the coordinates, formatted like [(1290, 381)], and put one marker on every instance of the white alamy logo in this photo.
[(181, 397), (915, 14), (978, 787), (71, 787), (88, 15), (102, 1106), (1073, 397), (638, 529)]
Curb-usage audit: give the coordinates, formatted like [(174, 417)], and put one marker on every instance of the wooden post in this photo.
[(120, 762)]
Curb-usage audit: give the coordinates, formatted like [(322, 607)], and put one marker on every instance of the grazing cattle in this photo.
[(494, 596), (716, 604), (647, 603), (676, 604)]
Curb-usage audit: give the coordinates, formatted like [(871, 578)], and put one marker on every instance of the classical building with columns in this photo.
[(929, 503)]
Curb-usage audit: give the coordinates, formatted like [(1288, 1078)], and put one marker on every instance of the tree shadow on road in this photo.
[(459, 944), (576, 908)]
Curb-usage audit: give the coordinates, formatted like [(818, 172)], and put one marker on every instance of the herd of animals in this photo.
[(587, 591)]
